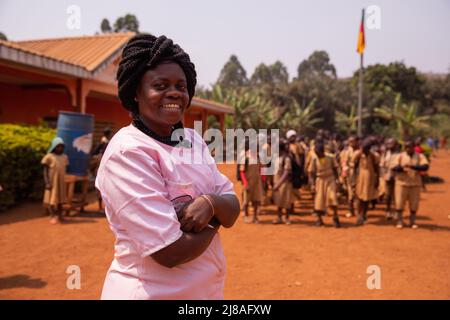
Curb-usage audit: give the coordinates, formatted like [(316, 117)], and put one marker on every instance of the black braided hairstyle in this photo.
[(143, 52)]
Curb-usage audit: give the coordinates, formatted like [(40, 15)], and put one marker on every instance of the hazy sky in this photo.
[(415, 31)]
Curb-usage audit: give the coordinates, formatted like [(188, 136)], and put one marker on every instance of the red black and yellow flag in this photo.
[(361, 37)]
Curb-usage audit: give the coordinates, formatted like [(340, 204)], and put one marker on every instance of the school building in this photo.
[(39, 78)]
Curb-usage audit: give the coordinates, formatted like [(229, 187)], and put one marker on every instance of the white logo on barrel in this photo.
[(83, 143)]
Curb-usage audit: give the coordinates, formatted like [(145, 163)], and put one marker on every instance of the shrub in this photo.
[(21, 150)]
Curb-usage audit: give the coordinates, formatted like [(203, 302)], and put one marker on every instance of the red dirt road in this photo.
[(265, 261)]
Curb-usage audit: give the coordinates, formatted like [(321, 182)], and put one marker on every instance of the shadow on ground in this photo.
[(21, 281)]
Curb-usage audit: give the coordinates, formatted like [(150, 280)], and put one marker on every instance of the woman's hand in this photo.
[(195, 216)]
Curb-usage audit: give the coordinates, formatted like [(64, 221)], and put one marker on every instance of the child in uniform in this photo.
[(283, 194), (323, 175), (297, 163), (250, 173), (365, 170), (345, 158), (55, 163), (408, 182), (267, 179), (387, 180)]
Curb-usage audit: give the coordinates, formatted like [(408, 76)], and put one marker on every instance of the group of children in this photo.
[(360, 172)]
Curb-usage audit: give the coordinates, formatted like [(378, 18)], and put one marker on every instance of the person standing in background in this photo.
[(96, 157), (365, 171), (346, 162), (297, 157), (408, 182), (250, 173), (55, 163), (283, 196), (322, 176), (387, 181)]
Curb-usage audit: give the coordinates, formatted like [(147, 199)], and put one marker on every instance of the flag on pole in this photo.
[(361, 37)]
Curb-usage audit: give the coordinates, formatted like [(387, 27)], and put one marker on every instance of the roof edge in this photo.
[(13, 51), (33, 59), (103, 35)]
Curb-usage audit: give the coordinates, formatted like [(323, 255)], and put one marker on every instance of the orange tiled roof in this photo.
[(87, 52)]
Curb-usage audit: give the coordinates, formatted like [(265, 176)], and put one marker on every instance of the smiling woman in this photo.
[(164, 87), (164, 210)]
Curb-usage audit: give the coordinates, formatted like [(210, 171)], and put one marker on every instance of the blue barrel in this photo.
[(76, 129)]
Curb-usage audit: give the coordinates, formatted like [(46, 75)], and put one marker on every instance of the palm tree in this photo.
[(217, 94), (251, 109), (348, 122), (406, 117), (301, 119)]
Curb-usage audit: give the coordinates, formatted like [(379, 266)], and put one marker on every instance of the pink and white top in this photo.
[(138, 177)]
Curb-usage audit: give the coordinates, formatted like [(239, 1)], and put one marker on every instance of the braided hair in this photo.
[(143, 52)]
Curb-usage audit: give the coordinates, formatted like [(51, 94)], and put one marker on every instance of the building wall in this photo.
[(18, 105), (191, 116), (108, 111)]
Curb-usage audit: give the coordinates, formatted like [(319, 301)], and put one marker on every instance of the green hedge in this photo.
[(21, 150)]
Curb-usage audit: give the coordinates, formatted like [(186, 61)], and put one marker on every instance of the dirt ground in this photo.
[(265, 261)]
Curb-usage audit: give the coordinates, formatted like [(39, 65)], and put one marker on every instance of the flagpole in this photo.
[(360, 85), (360, 94)]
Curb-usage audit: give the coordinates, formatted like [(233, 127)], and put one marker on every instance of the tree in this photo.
[(317, 95), (317, 65), (302, 119), (316, 79), (129, 22), (383, 82), (261, 76), (318, 89), (105, 26), (280, 75), (272, 83), (437, 94), (347, 122), (232, 75), (273, 75), (405, 116), (440, 125), (251, 109), (3, 36)]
